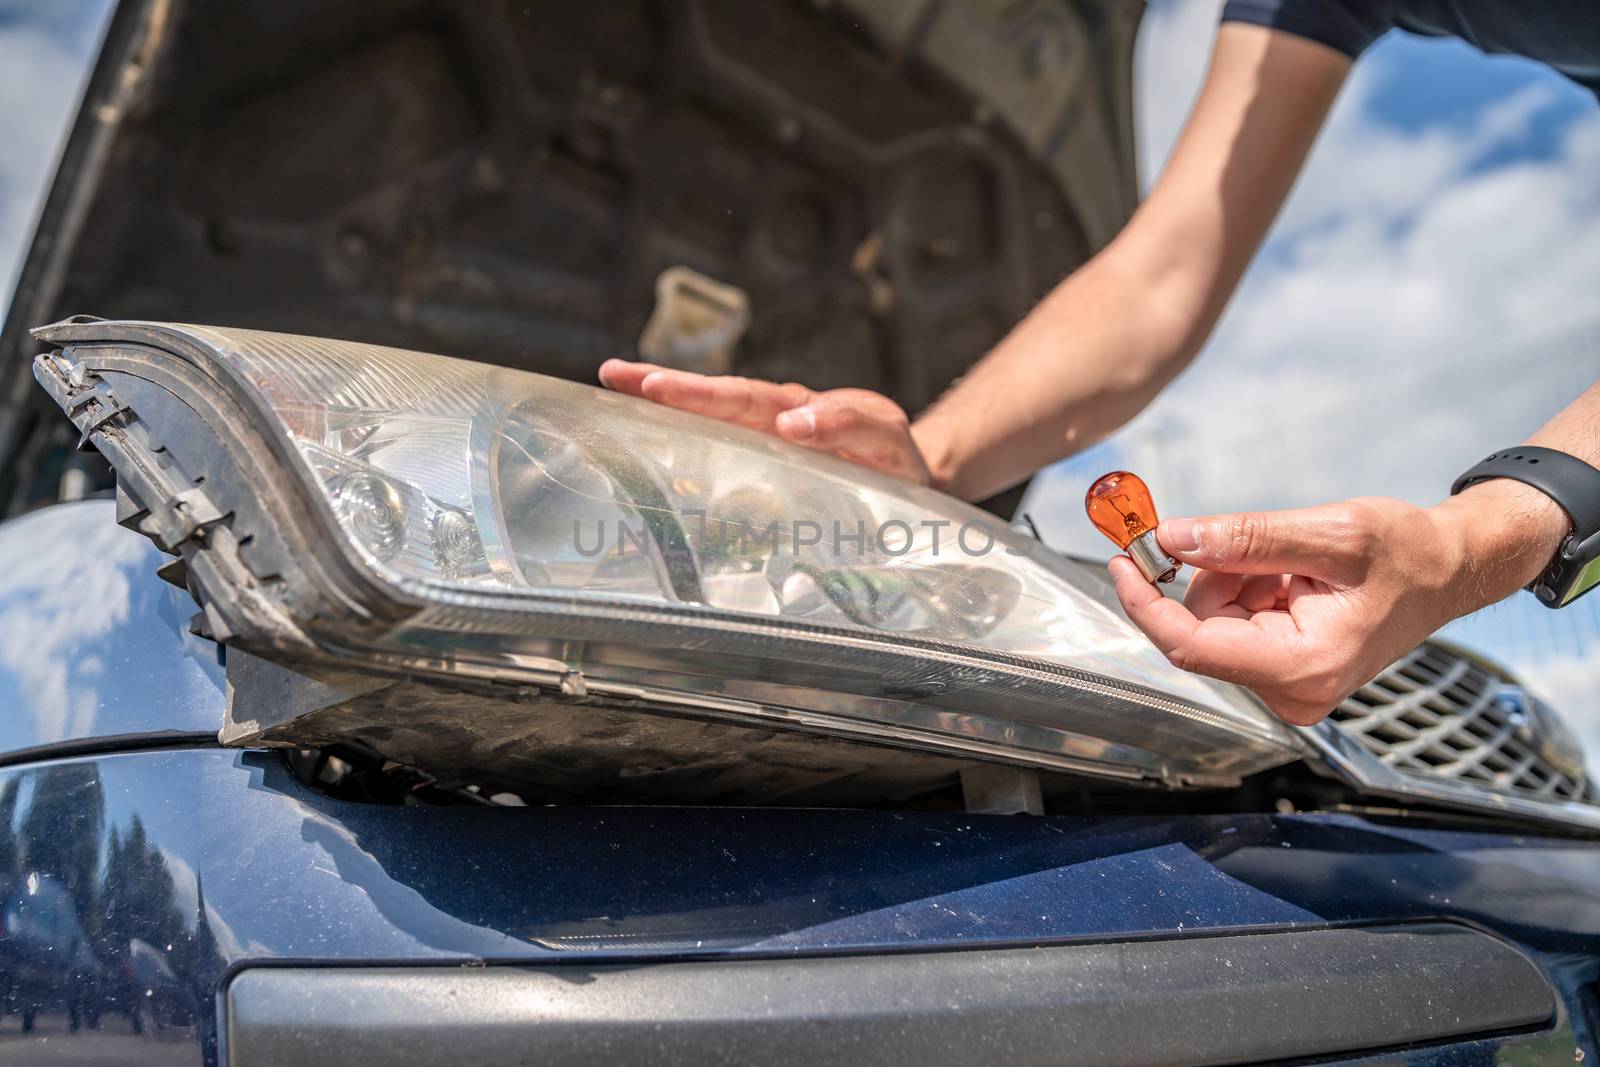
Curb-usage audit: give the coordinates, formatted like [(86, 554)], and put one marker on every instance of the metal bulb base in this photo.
[(1151, 561)]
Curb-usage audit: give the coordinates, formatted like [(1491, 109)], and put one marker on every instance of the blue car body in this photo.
[(188, 864)]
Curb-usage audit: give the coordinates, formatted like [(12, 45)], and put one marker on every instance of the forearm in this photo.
[(1088, 358), (1100, 347)]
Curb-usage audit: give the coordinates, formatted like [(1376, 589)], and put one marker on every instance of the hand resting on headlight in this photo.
[(856, 424)]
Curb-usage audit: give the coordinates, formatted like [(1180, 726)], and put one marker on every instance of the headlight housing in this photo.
[(354, 506)]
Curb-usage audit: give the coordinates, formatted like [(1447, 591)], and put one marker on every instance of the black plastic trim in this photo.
[(109, 744), (1295, 994)]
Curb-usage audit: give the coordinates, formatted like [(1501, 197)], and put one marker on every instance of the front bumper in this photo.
[(238, 867)]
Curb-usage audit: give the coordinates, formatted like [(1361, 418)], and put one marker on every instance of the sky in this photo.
[(1428, 295)]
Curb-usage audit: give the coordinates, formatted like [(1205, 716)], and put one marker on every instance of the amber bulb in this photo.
[(1120, 507)]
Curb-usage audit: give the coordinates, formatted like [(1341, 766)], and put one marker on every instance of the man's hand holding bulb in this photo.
[(1303, 607)]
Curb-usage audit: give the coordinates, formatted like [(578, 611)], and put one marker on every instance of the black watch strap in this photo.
[(1567, 480)]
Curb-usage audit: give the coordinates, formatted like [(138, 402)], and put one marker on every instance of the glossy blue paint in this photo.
[(212, 859), (92, 643)]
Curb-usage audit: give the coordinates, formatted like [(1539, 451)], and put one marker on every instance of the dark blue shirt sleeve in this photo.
[(1347, 26)]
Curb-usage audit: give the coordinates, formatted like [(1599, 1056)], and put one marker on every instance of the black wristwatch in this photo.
[(1570, 482)]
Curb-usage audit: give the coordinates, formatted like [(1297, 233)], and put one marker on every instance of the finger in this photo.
[(1295, 712), (746, 401), (908, 466), (1232, 649), (1263, 592), (849, 425), (625, 376), (1325, 542), (1238, 596), (1167, 623), (1214, 593)]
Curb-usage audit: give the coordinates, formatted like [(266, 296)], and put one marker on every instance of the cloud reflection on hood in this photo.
[(91, 641)]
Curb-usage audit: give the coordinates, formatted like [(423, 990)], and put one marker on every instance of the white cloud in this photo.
[(42, 635), (1570, 683), (1413, 302)]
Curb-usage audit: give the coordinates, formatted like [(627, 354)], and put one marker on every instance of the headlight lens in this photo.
[(464, 475), (531, 519), (467, 476)]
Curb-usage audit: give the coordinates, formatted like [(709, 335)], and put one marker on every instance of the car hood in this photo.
[(876, 198)]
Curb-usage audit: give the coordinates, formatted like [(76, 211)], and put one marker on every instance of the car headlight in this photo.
[(415, 513)]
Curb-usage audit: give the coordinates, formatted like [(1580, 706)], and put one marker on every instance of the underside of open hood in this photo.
[(868, 192)]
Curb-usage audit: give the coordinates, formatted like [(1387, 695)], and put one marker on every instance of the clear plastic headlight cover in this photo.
[(532, 521)]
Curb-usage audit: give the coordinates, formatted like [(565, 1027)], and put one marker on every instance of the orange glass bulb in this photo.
[(1120, 507)]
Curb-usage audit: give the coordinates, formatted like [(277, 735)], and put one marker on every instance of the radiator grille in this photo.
[(1439, 714)]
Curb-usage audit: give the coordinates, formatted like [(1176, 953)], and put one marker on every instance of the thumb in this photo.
[(1317, 542)]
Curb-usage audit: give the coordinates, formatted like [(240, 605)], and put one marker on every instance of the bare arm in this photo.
[(1105, 342), (1099, 347)]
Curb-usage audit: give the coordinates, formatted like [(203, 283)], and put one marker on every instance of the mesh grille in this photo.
[(1437, 714)]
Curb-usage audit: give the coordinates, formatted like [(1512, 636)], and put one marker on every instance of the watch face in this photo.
[(1585, 581)]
